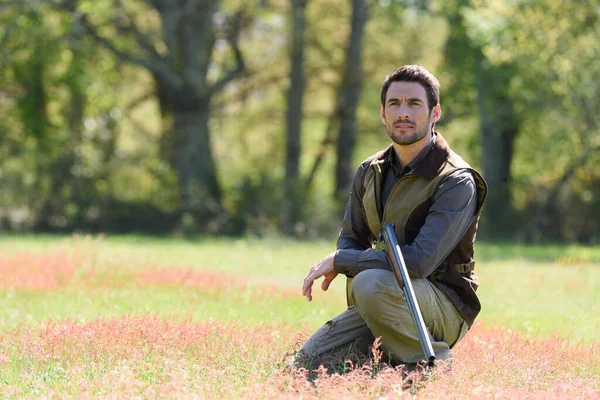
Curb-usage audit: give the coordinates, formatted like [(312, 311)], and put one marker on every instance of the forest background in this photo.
[(250, 117)]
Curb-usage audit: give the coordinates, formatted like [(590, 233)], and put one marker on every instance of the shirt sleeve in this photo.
[(451, 213)]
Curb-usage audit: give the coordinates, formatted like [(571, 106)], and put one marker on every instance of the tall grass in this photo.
[(153, 357), (135, 317), (540, 290)]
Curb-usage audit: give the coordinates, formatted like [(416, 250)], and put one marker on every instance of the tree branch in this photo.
[(139, 100), (450, 116), (133, 29), (326, 142), (240, 65), (157, 67), (143, 131)]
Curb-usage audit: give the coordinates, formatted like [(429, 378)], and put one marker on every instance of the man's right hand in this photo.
[(323, 269)]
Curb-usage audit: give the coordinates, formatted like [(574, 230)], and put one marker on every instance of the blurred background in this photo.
[(250, 117)]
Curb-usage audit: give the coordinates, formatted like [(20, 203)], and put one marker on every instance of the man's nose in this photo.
[(404, 111)]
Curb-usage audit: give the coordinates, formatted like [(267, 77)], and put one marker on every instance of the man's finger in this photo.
[(325, 284), (314, 275), (307, 291), (308, 282)]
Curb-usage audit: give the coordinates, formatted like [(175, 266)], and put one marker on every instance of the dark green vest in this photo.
[(408, 206)]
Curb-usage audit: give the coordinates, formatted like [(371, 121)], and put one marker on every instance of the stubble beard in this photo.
[(405, 140)]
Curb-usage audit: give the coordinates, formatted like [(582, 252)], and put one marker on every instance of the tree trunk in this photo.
[(295, 95), (349, 98), (200, 193), (35, 122), (499, 124), (498, 131)]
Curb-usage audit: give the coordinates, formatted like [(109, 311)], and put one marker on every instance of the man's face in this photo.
[(406, 114)]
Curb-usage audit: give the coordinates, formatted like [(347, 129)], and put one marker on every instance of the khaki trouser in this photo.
[(380, 310)]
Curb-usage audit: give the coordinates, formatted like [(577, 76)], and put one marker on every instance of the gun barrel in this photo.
[(399, 266)]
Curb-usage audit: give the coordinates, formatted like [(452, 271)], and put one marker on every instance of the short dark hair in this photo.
[(414, 73)]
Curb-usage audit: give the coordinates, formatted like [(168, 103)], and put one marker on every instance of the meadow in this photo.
[(139, 317)]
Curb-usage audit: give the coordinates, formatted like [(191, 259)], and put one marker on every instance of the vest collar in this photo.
[(429, 167)]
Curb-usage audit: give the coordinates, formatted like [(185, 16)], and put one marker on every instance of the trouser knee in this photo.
[(368, 292)]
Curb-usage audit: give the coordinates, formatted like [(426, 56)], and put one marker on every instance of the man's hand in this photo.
[(323, 268)]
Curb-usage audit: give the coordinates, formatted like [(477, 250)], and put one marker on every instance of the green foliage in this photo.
[(560, 142), (85, 140), (66, 139)]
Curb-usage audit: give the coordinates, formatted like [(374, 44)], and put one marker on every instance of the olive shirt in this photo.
[(449, 217)]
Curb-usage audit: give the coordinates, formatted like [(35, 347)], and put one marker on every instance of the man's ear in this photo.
[(382, 114), (436, 114)]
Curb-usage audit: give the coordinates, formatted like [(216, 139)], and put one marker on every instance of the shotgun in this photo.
[(394, 255)]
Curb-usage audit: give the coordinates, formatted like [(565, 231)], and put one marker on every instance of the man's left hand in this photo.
[(323, 269)]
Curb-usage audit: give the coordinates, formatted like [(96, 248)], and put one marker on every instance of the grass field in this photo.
[(93, 317)]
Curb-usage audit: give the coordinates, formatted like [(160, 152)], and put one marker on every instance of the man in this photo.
[(434, 198)]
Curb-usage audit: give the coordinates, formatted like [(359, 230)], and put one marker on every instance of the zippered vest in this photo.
[(408, 206)]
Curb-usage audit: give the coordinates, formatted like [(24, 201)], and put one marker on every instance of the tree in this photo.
[(347, 103), (498, 121), (179, 49), (31, 139), (529, 66), (550, 44), (295, 95), (61, 169)]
